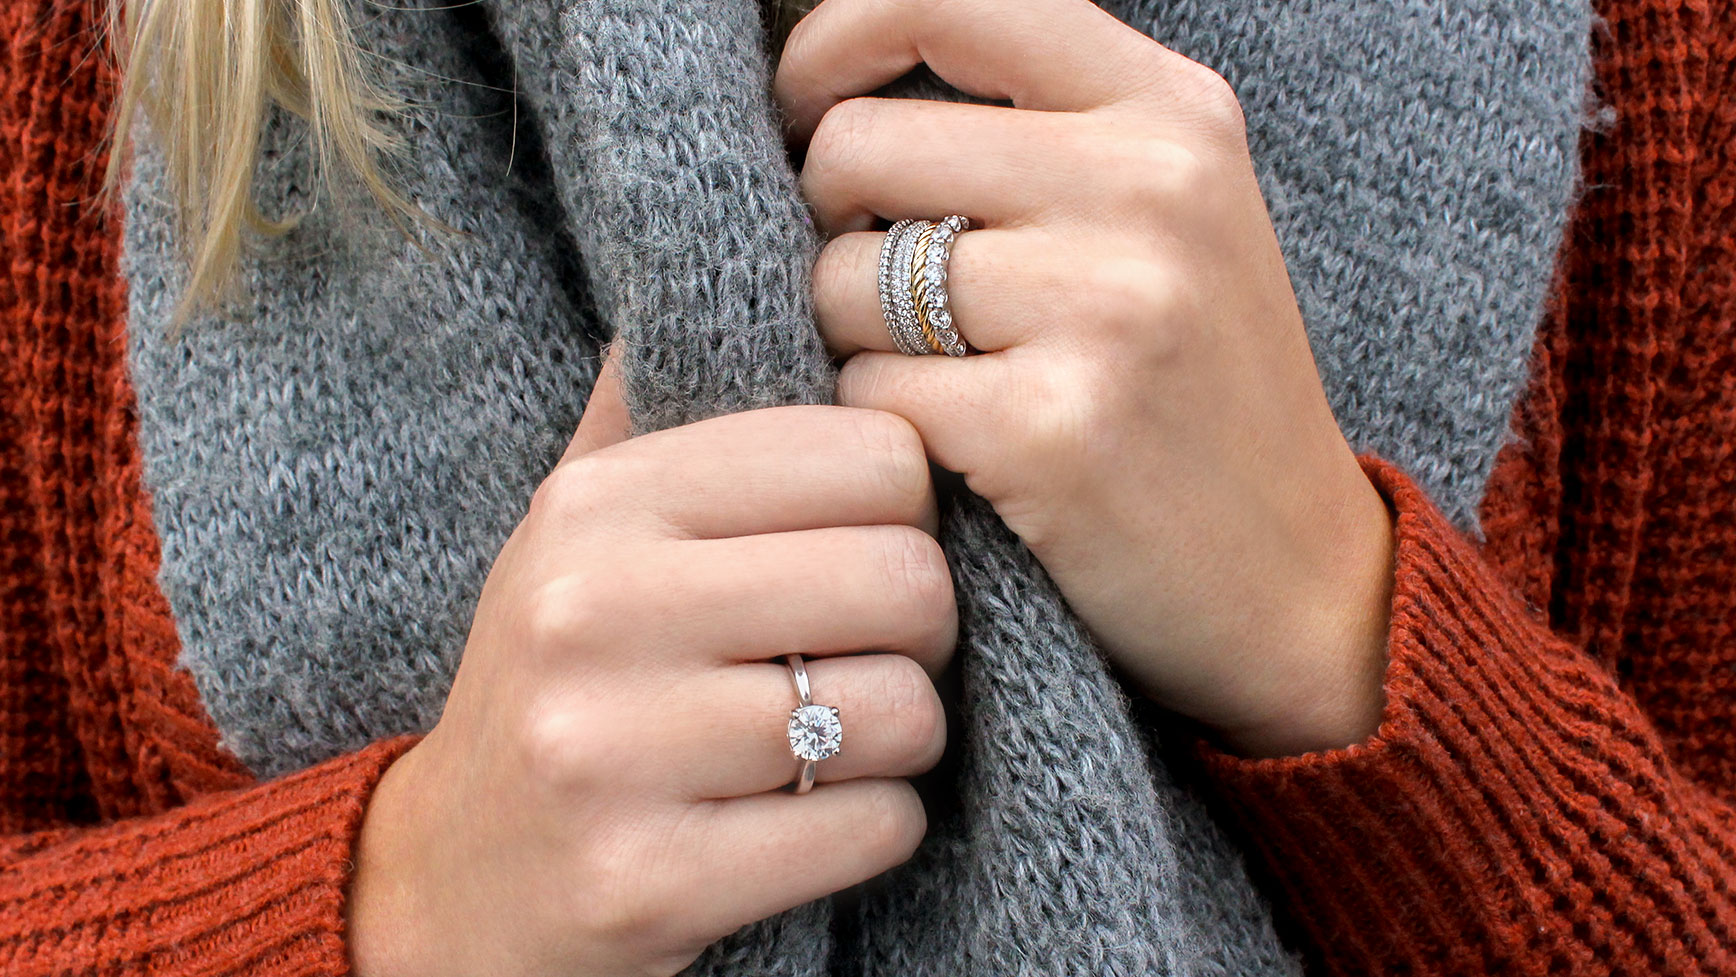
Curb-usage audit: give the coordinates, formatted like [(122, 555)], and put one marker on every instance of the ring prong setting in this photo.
[(815, 732)]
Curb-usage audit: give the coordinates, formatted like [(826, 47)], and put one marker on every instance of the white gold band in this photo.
[(892, 282), (815, 731)]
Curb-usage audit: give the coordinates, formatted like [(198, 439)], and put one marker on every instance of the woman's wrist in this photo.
[(379, 912), (1324, 687)]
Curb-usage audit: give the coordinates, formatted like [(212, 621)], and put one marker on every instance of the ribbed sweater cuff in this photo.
[(247, 882), (1514, 811)]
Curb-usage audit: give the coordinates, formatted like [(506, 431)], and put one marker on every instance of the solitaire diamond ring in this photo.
[(815, 731)]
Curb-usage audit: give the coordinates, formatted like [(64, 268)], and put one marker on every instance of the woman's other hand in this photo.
[(1146, 414), (603, 792)]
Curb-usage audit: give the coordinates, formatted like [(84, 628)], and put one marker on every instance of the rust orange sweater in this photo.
[(1551, 792)]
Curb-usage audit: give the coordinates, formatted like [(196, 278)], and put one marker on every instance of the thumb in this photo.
[(605, 420)]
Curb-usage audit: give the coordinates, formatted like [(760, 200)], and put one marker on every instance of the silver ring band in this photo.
[(890, 281), (815, 731)]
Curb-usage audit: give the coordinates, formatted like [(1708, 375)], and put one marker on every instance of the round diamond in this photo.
[(815, 732)]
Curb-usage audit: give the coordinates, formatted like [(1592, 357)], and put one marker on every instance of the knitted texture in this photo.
[(381, 415), (96, 723), (335, 466), (1597, 843), (1554, 776), (1417, 160), (94, 720), (241, 882)]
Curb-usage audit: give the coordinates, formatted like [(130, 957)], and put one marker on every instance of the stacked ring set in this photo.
[(913, 262)]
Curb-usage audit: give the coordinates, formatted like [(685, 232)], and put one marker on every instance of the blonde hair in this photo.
[(204, 73)]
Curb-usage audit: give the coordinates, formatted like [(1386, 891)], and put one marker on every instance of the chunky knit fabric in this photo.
[(1517, 813), (334, 466), (1552, 788)]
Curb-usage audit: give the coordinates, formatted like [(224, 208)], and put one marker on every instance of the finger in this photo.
[(896, 157), (604, 421), (954, 403), (1066, 55), (776, 850), (814, 592), (736, 738), (777, 469), (1004, 288)]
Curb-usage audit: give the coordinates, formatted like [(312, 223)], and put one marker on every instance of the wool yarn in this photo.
[(335, 463)]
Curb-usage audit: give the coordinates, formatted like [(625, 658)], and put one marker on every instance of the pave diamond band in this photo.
[(890, 280), (815, 731), (913, 296), (909, 334)]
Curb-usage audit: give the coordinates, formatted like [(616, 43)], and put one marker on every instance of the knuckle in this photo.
[(844, 137), (574, 491), (1212, 98), (918, 723), (561, 611), (835, 276), (903, 686), (860, 381), (1189, 178), (893, 452), (560, 746), (892, 821), (1131, 307), (1157, 176), (797, 45), (916, 569)]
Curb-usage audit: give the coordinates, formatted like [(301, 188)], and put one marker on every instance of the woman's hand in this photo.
[(602, 794), (1147, 415)]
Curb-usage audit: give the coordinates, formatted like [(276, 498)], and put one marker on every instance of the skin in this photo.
[(1146, 414), (602, 793)]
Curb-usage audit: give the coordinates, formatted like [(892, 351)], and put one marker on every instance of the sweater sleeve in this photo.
[(250, 881), (1515, 812)]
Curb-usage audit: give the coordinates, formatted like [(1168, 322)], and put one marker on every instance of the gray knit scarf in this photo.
[(335, 464)]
